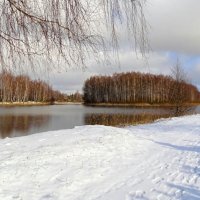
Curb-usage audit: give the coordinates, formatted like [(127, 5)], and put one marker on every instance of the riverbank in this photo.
[(137, 105), (32, 103), (68, 103), (153, 161), (29, 103)]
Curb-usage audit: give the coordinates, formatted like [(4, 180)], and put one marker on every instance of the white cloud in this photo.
[(175, 30), (175, 25), (73, 80)]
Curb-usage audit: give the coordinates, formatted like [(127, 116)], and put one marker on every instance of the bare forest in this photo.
[(21, 88), (135, 87)]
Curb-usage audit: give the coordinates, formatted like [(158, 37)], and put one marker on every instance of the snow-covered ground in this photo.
[(146, 162)]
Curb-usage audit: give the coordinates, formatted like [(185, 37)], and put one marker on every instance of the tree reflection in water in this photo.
[(180, 110), (121, 119), (131, 119), (12, 124), (23, 121)]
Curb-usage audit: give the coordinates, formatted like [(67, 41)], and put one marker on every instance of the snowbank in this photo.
[(149, 162)]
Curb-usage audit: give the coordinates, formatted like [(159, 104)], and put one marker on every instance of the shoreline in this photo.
[(68, 103), (29, 103), (137, 105), (146, 105), (32, 103)]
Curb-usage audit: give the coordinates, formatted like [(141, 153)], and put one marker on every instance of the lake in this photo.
[(25, 120)]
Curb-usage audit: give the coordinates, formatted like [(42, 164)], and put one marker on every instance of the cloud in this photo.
[(174, 32), (175, 26), (73, 80)]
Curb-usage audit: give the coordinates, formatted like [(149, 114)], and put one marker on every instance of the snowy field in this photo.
[(157, 161)]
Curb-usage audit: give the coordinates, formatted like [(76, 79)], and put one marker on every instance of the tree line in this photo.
[(134, 87), (21, 88), (74, 97)]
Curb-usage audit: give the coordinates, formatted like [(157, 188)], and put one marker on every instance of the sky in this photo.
[(174, 33)]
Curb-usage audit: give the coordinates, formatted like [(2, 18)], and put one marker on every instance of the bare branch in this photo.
[(67, 29)]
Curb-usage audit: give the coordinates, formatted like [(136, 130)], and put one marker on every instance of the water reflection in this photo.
[(19, 121), (181, 110), (10, 125), (134, 119), (122, 119)]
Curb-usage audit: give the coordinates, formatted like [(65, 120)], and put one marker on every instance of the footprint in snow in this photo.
[(137, 195), (47, 197), (157, 180)]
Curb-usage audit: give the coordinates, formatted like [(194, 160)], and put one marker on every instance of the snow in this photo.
[(156, 161)]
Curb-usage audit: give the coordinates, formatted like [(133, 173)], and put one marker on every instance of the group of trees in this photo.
[(135, 87), (75, 97), (22, 89)]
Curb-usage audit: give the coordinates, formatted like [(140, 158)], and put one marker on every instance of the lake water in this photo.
[(22, 120)]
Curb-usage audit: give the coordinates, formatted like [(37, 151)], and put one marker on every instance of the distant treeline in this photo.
[(135, 87), (22, 89), (76, 97)]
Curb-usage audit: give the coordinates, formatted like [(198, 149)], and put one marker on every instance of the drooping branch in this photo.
[(67, 29)]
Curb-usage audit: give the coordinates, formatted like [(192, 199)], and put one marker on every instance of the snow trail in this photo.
[(148, 162)]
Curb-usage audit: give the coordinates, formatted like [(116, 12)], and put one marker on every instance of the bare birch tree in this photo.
[(179, 93), (134, 87), (31, 30)]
